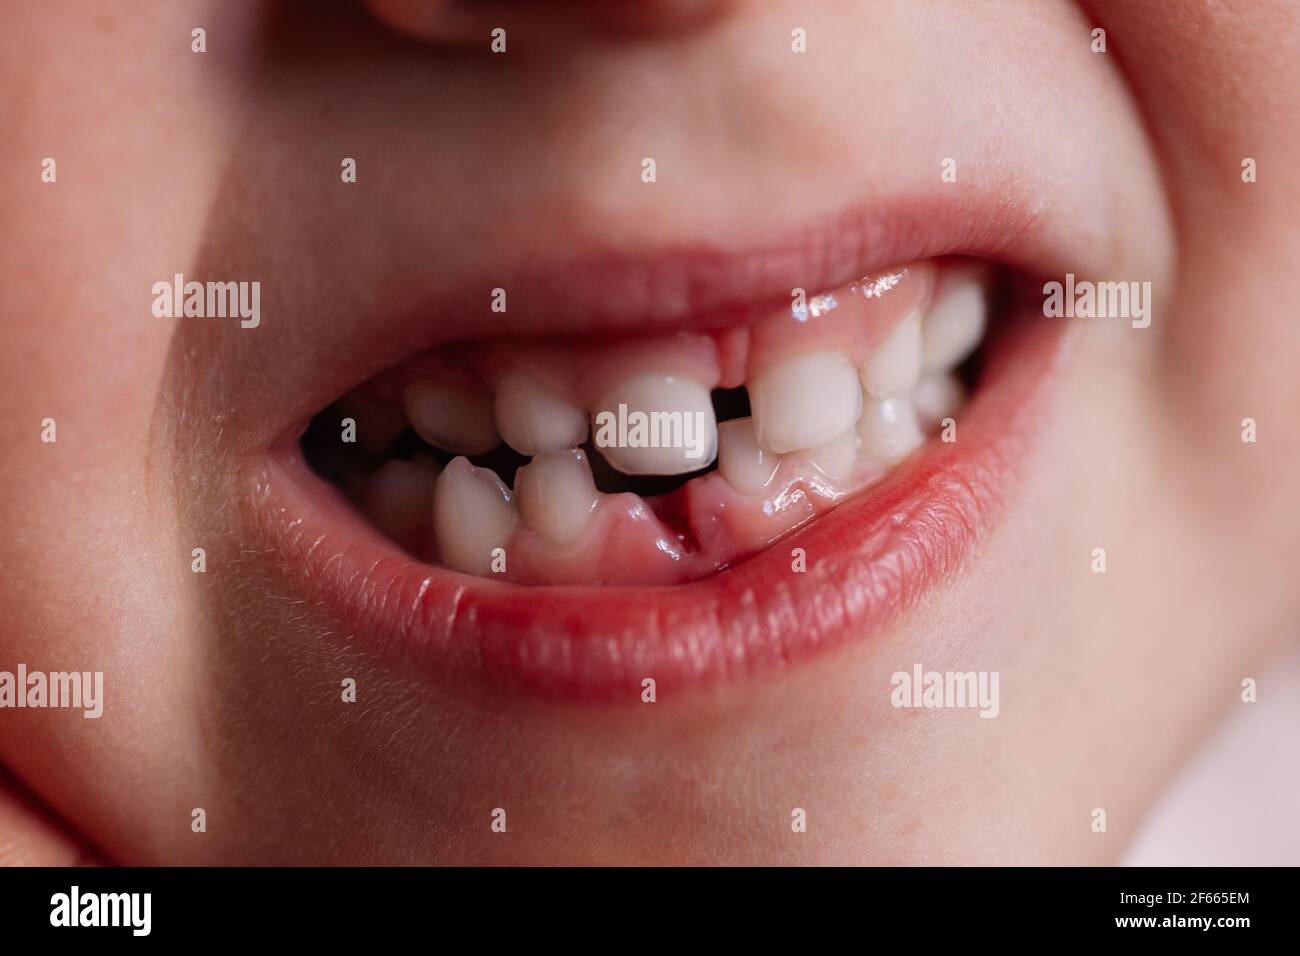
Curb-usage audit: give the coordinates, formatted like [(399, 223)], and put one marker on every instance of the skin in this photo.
[(223, 695)]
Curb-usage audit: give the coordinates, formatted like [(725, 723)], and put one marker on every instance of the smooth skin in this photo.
[(222, 693)]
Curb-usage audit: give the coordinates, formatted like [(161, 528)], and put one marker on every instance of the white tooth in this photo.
[(955, 323), (689, 427), (836, 458), (741, 460), (937, 396), (805, 401), (398, 497), (556, 495), (454, 418), (532, 419), (896, 365), (889, 430), (472, 516)]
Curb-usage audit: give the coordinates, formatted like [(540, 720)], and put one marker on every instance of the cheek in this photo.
[(87, 517), (1227, 390), (1227, 336)]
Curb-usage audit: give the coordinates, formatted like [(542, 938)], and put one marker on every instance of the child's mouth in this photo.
[(661, 459), (802, 471)]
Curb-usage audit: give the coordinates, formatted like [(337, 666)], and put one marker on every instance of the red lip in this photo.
[(866, 562), (590, 291)]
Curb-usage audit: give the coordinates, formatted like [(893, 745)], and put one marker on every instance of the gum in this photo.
[(865, 311), (859, 320), (624, 543), (704, 526)]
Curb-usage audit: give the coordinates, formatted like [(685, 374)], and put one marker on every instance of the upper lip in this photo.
[(871, 558), (588, 290)]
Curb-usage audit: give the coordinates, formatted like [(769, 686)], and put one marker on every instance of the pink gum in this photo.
[(703, 526), (864, 313)]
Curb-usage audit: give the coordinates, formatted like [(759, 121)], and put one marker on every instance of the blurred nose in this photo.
[(536, 23)]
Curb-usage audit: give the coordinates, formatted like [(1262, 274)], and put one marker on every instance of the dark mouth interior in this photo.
[(342, 464)]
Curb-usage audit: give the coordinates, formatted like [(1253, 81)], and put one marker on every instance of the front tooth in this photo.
[(556, 495), (452, 417), (896, 365), (836, 458), (533, 420), (805, 401), (472, 516), (674, 412), (937, 396), (889, 430), (397, 498), (741, 460), (955, 323)]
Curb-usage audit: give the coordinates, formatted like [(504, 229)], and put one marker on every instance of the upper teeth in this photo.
[(896, 365), (452, 417), (534, 419), (805, 401), (656, 424), (955, 323)]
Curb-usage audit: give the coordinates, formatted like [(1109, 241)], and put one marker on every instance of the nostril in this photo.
[(473, 22)]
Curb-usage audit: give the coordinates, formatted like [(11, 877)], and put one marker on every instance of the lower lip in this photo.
[(865, 563)]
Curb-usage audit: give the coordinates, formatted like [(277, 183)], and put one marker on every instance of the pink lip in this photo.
[(866, 562)]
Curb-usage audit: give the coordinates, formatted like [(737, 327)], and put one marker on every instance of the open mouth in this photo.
[(574, 515), (657, 460)]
